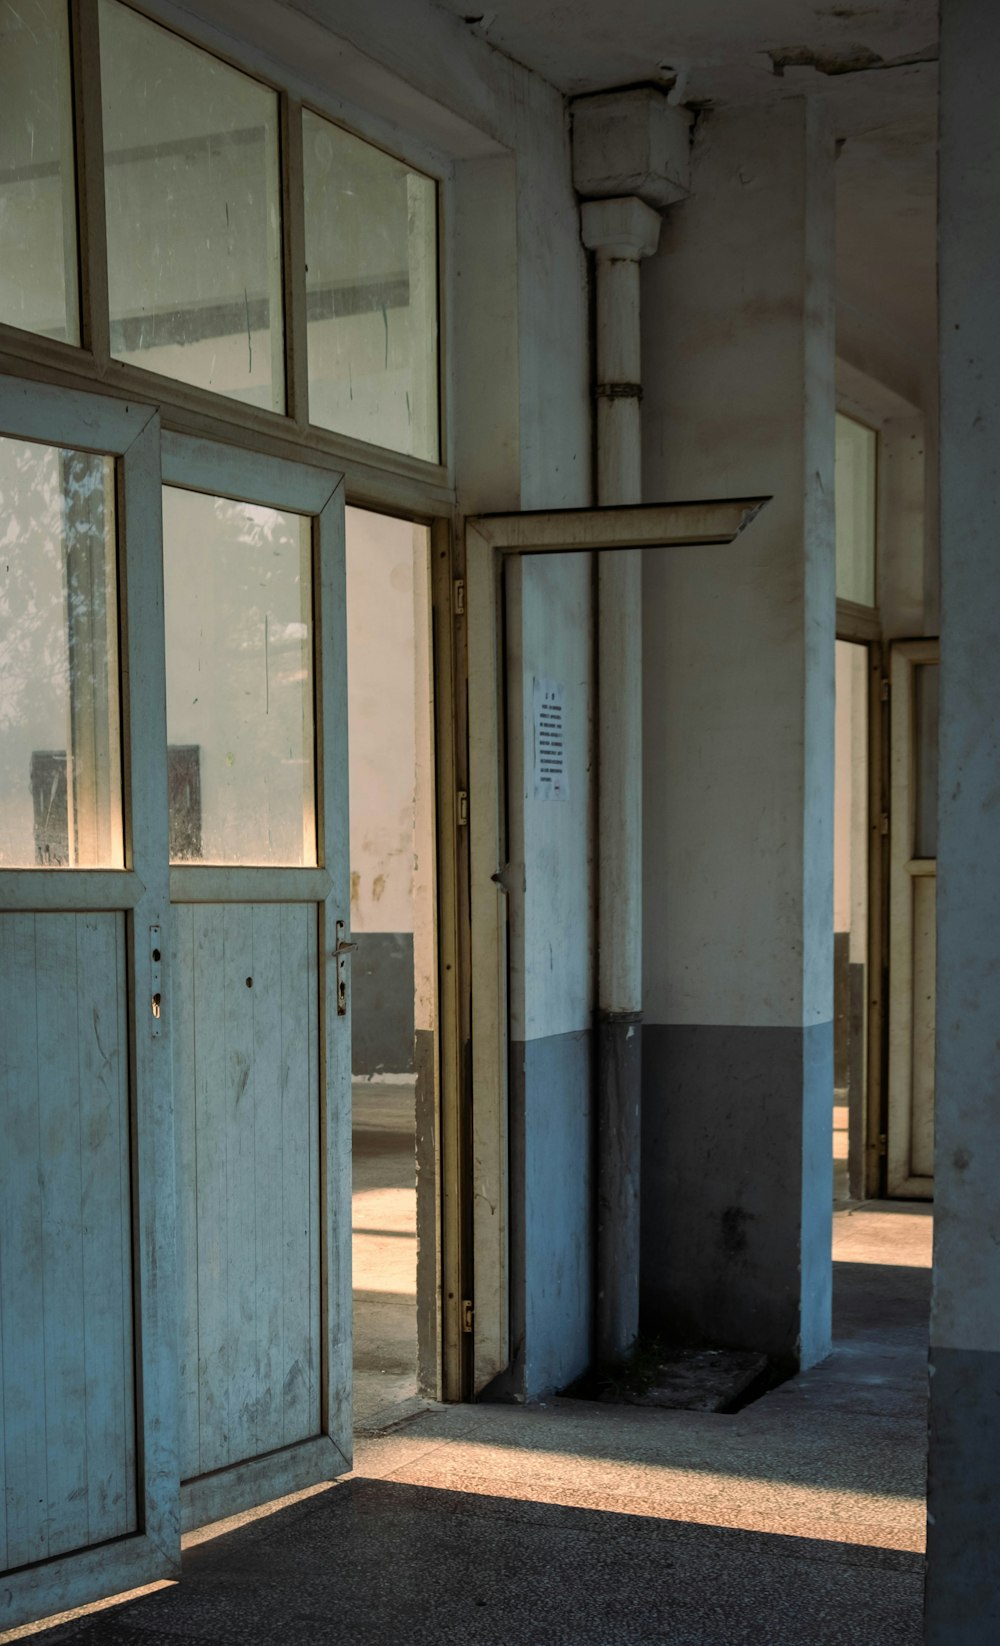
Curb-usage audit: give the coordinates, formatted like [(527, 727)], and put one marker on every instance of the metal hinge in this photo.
[(883, 1144), (884, 689), (462, 806), (883, 823), (459, 597), (468, 1314)]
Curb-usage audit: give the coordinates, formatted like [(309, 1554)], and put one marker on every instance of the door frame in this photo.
[(906, 656), (489, 539), (131, 434)]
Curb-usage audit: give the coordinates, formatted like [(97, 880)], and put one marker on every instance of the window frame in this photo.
[(860, 618), (376, 476)]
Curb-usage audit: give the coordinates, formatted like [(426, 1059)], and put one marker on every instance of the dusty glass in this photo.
[(371, 286), (193, 212), (60, 746), (239, 644), (39, 286), (855, 479)]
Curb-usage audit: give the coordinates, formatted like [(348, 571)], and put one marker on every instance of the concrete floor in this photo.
[(797, 1522), (384, 1222)]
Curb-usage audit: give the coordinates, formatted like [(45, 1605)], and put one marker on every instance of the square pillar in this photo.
[(963, 1546), (738, 371)]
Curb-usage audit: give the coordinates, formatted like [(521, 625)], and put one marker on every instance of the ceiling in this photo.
[(873, 62), (715, 49)]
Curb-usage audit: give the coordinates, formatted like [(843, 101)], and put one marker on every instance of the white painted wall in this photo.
[(739, 729), (549, 615)]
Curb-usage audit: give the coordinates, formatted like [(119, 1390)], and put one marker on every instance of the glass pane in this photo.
[(857, 453), (194, 228), (38, 269), (371, 284), (238, 609), (926, 684), (60, 749)]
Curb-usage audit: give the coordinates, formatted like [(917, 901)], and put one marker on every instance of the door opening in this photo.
[(395, 1222)]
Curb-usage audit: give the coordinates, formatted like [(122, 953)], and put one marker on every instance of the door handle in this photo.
[(341, 949)]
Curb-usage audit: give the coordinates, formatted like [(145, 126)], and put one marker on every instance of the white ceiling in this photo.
[(872, 62), (723, 49)]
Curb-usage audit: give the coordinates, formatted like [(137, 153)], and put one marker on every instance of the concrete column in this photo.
[(963, 1574), (738, 368), (619, 232)]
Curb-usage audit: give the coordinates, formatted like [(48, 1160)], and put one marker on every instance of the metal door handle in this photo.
[(341, 949)]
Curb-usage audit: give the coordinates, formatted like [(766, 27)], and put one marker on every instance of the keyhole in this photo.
[(249, 982), (156, 957)]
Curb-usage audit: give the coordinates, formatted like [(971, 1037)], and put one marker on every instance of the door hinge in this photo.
[(883, 1144), (468, 1314), (459, 596), (462, 807), (883, 823), (883, 691)]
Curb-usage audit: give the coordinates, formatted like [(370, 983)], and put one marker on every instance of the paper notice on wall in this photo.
[(549, 718)]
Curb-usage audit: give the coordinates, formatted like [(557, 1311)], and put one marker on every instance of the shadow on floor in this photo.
[(796, 1522), (374, 1563)]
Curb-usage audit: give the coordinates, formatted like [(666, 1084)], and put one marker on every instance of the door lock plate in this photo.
[(341, 951)]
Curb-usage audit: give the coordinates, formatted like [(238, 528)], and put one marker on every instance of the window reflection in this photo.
[(193, 213), (371, 283), (60, 752), (38, 269), (238, 612)]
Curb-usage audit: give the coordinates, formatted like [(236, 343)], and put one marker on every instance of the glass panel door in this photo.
[(87, 1414), (256, 700)]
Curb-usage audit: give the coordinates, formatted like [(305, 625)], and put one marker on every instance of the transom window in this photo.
[(38, 269), (202, 280), (193, 211)]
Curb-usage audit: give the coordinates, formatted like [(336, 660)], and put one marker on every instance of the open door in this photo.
[(915, 673), (499, 957), (254, 604)]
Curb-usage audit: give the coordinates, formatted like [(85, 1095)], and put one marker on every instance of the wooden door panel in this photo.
[(246, 1047), (67, 1394)]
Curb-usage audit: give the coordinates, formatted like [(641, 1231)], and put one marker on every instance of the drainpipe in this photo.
[(619, 232)]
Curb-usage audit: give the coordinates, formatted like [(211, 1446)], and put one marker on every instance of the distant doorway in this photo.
[(850, 941), (394, 966)]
